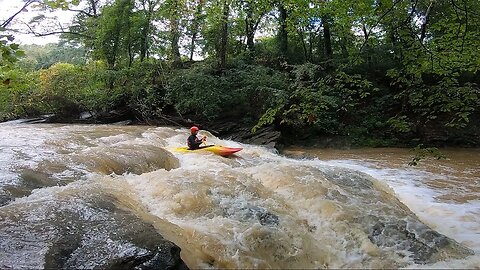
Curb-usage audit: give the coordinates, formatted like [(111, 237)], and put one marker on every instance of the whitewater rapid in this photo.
[(256, 209)]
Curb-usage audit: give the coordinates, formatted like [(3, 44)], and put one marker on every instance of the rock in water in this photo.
[(81, 232), (393, 225)]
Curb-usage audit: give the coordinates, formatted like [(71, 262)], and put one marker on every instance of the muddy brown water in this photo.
[(257, 209)]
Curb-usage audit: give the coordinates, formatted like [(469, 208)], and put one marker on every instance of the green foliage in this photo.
[(17, 94), (436, 98), (400, 124), (67, 89), (243, 90), (9, 51), (93, 93), (143, 89), (325, 102), (114, 34), (196, 90), (43, 56), (59, 86), (60, 4)]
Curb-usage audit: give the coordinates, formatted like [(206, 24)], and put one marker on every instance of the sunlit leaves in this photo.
[(60, 4), (17, 91)]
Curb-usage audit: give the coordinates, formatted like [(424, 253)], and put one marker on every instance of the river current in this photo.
[(83, 196)]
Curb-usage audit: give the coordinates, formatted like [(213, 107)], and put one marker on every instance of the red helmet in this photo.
[(193, 129)]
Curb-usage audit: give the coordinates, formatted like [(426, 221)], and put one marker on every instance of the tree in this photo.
[(198, 17), (222, 48), (10, 50), (149, 8), (254, 12), (113, 34), (43, 56), (282, 31), (175, 10)]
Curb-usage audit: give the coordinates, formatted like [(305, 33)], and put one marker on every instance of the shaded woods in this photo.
[(376, 72)]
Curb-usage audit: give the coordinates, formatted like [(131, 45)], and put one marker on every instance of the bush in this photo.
[(441, 101), (143, 88), (68, 89), (325, 103), (59, 86), (18, 94), (243, 90)]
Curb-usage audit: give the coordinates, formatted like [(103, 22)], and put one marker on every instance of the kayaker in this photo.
[(193, 141)]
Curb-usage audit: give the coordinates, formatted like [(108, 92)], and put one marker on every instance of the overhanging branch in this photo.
[(32, 31), (9, 20), (83, 12)]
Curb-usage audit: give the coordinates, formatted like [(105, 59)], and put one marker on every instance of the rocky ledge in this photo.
[(81, 231)]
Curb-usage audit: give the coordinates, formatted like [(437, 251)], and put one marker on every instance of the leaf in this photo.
[(20, 53)]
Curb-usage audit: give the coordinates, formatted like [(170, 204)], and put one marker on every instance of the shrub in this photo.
[(18, 94), (243, 90), (324, 102)]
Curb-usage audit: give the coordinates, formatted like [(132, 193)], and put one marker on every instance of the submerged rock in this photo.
[(394, 226), (72, 233), (5, 197), (264, 216), (423, 242)]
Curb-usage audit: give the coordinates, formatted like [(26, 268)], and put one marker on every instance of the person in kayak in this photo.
[(193, 141)]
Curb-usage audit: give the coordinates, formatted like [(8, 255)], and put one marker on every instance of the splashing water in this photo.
[(256, 209)]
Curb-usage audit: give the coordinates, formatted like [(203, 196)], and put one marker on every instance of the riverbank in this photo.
[(280, 137)]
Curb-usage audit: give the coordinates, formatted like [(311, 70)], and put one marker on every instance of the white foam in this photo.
[(214, 197), (458, 221)]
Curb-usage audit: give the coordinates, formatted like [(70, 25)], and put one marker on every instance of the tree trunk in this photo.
[(222, 54), (175, 35), (250, 28), (282, 33), (327, 38), (130, 56), (148, 7), (304, 45), (93, 5), (310, 46), (195, 26), (343, 46), (144, 39), (367, 47), (145, 32), (424, 24)]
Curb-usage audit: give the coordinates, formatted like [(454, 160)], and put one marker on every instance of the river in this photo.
[(107, 196)]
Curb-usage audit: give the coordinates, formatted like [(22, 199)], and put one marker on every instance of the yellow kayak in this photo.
[(216, 149)]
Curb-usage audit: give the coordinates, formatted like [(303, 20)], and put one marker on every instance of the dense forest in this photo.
[(380, 72)]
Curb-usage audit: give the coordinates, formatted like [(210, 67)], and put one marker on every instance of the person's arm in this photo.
[(198, 141)]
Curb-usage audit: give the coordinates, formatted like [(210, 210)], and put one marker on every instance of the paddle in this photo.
[(204, 141)]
